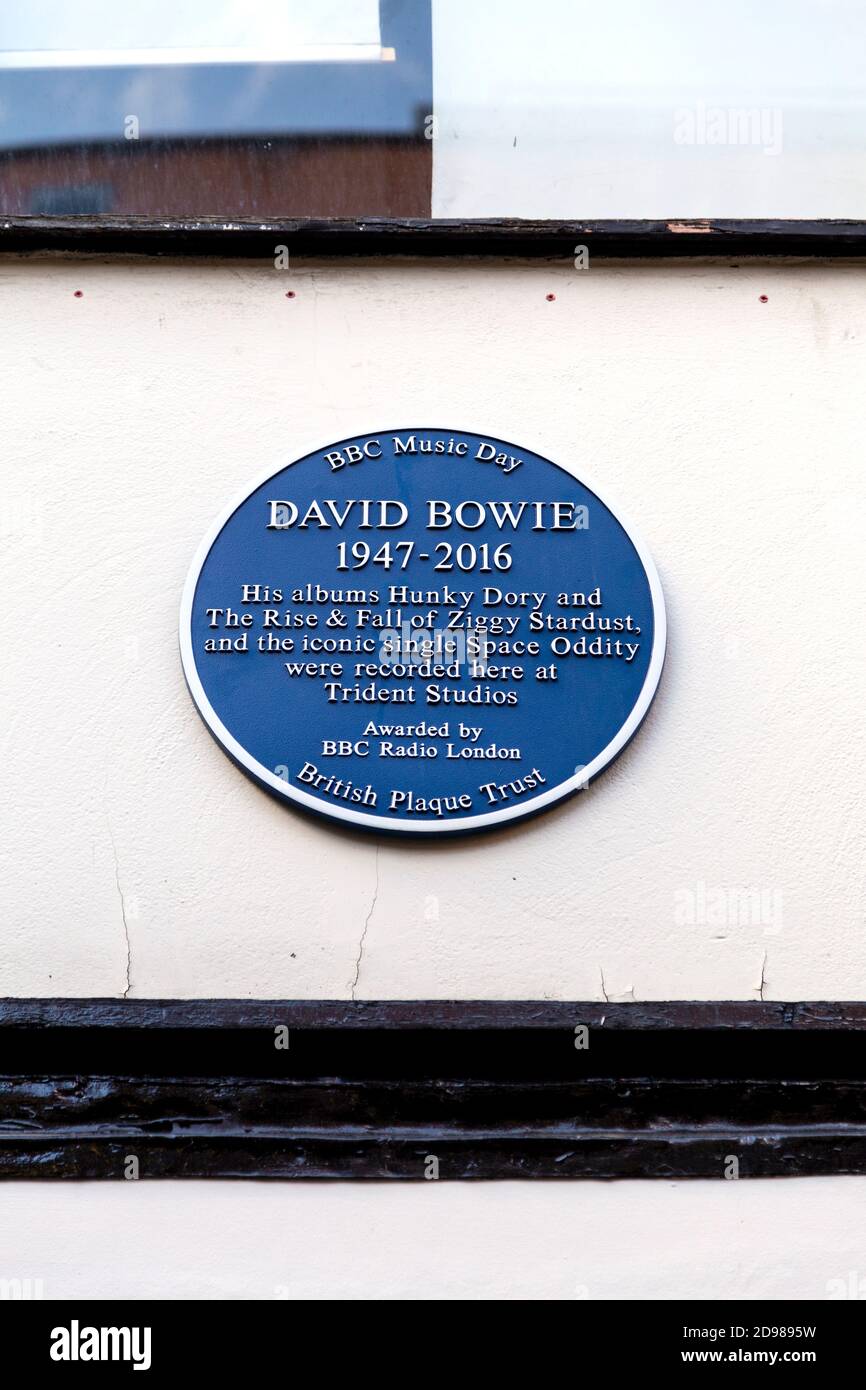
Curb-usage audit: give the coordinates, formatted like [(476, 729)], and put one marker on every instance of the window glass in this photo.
[(460, 109), (216, 108), (650, 109)]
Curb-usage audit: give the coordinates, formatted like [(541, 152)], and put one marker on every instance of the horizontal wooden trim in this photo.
[(436, 1014), (496, 237), (376, 1090)]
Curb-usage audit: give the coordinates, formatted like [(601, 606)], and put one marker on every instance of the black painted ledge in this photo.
[(377, 1090), (379, 237)]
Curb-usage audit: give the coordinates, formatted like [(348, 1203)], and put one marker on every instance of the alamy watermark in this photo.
[(757, 126), (21, 1290), (852, 1286), (705, 906)]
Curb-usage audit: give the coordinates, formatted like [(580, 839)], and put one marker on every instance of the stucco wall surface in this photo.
[(801, 1238), (719, 405)]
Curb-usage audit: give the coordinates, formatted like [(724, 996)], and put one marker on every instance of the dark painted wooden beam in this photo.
[(436, 1014), (380, 1090), (491, 237)]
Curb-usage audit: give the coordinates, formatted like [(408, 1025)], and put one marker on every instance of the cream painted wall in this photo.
[(136, 859), (795, 1238)]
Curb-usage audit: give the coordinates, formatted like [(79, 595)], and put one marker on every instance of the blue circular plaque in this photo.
[(423, 631)]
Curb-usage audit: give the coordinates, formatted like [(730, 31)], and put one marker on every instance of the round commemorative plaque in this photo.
[(422, 631)]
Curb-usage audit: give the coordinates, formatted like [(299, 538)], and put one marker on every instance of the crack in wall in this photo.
[(125, 992), (763, 980), (367, 921), (626, 996)]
